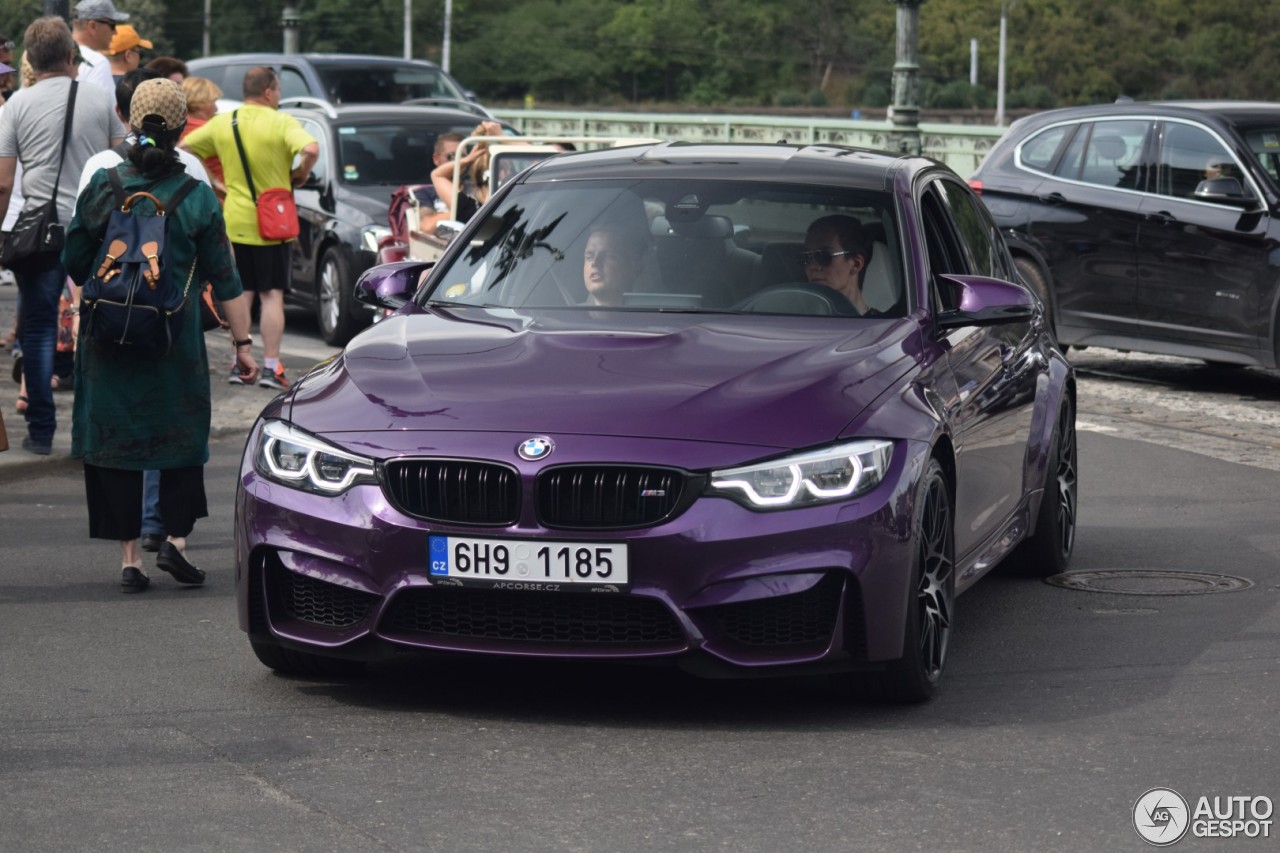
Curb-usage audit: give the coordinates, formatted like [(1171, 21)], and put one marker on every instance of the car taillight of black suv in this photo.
[(1148, 226)]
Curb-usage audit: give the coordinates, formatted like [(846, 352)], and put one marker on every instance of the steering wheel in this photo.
[(798, 298)]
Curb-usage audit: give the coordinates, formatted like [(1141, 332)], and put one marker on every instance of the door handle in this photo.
[(1053, 198), (1163, 217)]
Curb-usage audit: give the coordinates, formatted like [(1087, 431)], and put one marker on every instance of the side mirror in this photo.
[(390, 285), (1224, 191), (982, 301)]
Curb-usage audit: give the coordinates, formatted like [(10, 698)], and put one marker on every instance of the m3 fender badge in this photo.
[(533, 449)]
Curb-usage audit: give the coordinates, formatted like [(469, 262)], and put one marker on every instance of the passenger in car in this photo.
[(474, 163), (611, 263), (836, 252), (432, 208)]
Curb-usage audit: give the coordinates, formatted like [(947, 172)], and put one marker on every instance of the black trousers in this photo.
[(114, 496)]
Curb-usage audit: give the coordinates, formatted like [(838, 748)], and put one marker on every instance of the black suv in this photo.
[(366, 152), (342, 78), (1148, 226)]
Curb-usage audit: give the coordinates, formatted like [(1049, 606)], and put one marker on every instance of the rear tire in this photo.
[(914, 677), (289, 662), (1034, 278), (337, 313), (1047, 552)]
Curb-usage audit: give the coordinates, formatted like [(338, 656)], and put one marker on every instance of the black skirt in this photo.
[(114, 496)]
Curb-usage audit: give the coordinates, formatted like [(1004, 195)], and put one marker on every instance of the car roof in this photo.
[(842, 165), (1232, 112), (335, 58), (385, 112)]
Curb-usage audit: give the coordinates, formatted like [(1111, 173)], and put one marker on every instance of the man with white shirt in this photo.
[(93, 23)]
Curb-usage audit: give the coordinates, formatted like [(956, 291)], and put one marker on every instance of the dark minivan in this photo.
[(1148, 226)]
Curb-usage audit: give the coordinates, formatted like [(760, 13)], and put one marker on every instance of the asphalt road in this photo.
[(144, 723)]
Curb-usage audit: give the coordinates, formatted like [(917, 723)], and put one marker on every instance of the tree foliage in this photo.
[(742, 53)]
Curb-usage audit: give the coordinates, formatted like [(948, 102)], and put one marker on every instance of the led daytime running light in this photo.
[(276, 434)]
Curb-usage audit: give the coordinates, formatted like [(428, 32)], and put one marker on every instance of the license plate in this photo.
[(539, 565)]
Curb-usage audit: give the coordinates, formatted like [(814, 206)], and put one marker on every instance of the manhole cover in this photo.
[(1145, 582)]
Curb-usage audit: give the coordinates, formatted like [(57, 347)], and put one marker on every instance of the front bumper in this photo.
[(718, 589)]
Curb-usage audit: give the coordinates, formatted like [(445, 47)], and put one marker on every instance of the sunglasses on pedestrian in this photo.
[(820, 257), (105, 23)]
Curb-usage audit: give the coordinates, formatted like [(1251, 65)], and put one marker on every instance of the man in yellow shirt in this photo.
[(270, 140)]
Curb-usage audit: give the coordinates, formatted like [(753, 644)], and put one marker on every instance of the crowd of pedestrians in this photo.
[(91, 113)]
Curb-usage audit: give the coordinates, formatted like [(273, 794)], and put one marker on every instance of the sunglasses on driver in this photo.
[(820, 257)]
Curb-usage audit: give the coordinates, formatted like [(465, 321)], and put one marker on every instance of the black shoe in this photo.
[(38, 449), (133, 580), (152, 541), (170, 560)]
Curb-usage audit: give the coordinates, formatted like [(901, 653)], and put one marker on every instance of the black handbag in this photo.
[(38, 230)]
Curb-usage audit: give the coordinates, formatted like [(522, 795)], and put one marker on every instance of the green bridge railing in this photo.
[(960, 146)]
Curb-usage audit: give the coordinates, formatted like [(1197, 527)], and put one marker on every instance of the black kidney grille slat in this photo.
[(614, 496), (453, 490)]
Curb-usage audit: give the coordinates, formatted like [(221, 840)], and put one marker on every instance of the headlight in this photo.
[(818, 476), (290, 456), (371, 235)]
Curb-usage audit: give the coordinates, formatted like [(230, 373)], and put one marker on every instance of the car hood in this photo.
[(780, 382)]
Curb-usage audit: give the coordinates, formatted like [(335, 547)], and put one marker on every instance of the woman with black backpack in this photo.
[(136, 409)]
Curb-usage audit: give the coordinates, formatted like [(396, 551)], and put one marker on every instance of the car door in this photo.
[(1202, 266), (315, 210), (1087, 224), (994, 367)]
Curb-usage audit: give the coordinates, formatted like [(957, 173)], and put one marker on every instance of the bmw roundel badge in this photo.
[(533, 449)]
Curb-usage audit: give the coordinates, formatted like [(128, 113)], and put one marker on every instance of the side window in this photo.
[(321, 168), (292, 84), (975, 231), (1037, 152), (942, 245), (1188, 155), (1112, 156)]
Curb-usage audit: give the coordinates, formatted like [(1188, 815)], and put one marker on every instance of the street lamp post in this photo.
[(906, 77), (291, 23)]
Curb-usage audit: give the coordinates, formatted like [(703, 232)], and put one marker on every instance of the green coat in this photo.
[(134, 412)]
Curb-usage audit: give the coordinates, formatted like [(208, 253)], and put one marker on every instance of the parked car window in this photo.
[(321, 168), (1113, 154), (1265, 143), (292, 83), (388, 154), (1188, 155), (350, 83), (1038, 151)]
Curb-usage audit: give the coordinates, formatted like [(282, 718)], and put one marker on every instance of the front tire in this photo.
[(337, 312), (915, 676)]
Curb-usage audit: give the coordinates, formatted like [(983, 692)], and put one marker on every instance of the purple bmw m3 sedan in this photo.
[(741, 408)]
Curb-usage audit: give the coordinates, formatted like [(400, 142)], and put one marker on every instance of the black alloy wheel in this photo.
[(1047, 551), (931, 612)]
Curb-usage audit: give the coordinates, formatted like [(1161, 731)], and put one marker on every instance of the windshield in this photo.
[(389, 154), (686, 245), (349, 83)]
